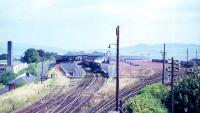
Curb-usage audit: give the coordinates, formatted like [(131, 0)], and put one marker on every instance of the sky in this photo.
[(90, 24)]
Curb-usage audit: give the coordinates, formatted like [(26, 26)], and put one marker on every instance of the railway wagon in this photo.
[(196, 61), (187, 64), (159, 61)]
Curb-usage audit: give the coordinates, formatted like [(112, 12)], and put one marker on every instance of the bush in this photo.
[(156, 90), (186, 96), (145, 103), (149, 100), (32, 69), (6, 77)]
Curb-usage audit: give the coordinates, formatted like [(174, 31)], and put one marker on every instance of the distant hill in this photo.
[(175, 50)]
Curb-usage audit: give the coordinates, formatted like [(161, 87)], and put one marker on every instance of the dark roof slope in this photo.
[(23, 79), (96, 53)]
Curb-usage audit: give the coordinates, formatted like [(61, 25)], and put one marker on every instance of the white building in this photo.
[(15, 68)]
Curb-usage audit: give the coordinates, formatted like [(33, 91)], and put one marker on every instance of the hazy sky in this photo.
[(90, 24)]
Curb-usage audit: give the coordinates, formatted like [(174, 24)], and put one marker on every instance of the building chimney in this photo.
[(27, 74), (9, 54)]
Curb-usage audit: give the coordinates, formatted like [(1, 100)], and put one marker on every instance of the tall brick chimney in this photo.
[(9, 54)]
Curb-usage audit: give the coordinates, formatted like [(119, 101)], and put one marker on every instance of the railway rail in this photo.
[(56, 90), (59, 105), (49, 100), (81, 100), (106, 106), (128, 92), (67, 102)]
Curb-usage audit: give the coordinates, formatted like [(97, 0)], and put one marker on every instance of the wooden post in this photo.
[(117, 70)]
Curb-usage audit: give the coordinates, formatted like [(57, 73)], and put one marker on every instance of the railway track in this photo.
[(128, 92), (75, 104), (68, 102), (56, 91), (49, 100), (72, 96), (109, 105)]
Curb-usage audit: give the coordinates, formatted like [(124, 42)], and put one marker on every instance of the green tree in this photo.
[(42, 53), (31, 56), (6, 77), (186, 95), (3, 56), (50, 55), (149, 100)]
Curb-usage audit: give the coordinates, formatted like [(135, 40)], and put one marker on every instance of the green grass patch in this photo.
[(23, 96)]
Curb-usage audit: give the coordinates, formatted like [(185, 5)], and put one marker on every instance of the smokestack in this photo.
[(9, 54)]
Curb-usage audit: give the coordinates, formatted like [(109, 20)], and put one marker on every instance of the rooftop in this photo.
[(81, 53), (23, 79)]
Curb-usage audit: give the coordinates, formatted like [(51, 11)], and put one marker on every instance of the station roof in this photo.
[(81, 53), (23, 79), (96, 53)]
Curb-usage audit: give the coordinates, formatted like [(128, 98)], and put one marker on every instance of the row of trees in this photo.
[(34, 56), (156, 98)]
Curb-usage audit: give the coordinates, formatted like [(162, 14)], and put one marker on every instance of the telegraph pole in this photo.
[(163, 74), (172, 89), (174, 68), (42, 68), (196, 56), (117, 70), (187, 56)]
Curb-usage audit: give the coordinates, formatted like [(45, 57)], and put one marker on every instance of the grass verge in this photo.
[(24, 95)]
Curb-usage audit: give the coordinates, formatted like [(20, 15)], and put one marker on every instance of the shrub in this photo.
[(149, 100), (156, 90), (6, 77), (32, 69), (145, 103)]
